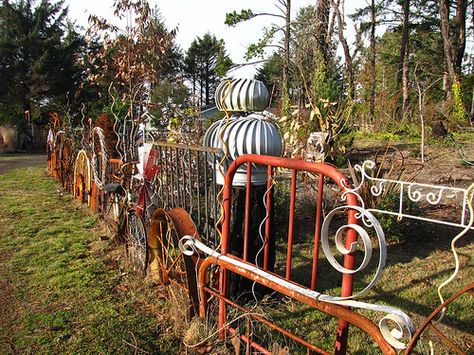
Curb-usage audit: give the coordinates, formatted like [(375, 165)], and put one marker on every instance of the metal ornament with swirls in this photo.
[(370, 221), (99, 152), (416, 192)]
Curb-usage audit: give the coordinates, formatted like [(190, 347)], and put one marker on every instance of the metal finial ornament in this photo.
[(242, 95), (248, 131)]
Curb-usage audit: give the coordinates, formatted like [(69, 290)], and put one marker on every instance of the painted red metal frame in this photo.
[(323, 171)]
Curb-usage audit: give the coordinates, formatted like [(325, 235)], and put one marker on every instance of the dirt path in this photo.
[(10, 162)]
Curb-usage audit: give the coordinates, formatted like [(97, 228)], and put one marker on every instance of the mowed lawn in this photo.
[(64, 285)]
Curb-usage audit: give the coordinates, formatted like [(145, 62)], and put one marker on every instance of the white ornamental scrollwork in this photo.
[(377, 190), (370, 221), (415, 192)]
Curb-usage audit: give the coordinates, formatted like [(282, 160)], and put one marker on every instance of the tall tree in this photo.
[(454, 41), (257, 49), (322, 31), (313, 54), (270, 74), (404, 57), (38, 48), (372, 59), (206, 62), (338, 7)]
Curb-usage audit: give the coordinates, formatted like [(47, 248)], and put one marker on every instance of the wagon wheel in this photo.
[(177, 272), (82, 177), (430, 323), (389, 160), (136, 243)]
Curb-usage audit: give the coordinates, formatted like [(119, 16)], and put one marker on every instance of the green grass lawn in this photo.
[(63, 284)]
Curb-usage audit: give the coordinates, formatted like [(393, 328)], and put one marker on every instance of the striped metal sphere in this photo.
[(255, 133), (242, 95)]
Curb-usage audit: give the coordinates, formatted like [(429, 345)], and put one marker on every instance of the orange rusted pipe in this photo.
[(332, 309)]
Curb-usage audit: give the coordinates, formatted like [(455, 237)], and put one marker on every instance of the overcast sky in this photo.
[(195, 18)]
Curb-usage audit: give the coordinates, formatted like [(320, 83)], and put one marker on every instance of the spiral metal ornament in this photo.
[(369, 220)]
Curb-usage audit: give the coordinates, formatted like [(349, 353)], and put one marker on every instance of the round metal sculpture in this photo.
[(242, 95), (251, 134)]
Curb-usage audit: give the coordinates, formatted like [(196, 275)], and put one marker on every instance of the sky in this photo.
[(194, 18)]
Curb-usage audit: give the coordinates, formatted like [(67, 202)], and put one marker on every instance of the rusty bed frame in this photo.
[(211, 252)]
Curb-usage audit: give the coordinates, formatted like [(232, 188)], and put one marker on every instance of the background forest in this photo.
[(407, 74)]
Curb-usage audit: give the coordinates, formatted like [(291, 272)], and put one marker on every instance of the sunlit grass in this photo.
[(59, 278)]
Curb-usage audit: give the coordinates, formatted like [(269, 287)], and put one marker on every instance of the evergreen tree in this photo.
[(38, 48), (205, 63)]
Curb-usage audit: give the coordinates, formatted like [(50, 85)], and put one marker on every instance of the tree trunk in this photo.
[(286, 62), (207, 84), (448, 58), (405, 57), (472, 108), (459, 39), (347, 53), (372, 62), (322, 28)]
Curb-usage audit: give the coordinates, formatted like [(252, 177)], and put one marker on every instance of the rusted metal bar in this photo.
[(332, 309), (342, 332), (248, 194), (291, 223), (317, 232), (446, 339), (259, 348), (227, 204), (268, 323), (429, 319), (268, 222)]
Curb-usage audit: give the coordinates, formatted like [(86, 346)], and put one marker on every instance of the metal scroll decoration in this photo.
[(99, 157), (415, 192)]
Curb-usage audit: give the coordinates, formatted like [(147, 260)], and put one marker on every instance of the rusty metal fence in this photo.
[(186, 178)]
